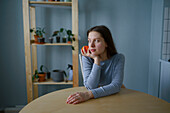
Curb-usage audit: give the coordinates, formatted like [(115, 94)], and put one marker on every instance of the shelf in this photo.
[(49, 3), (51, 82), (53, 44), (29, 21)]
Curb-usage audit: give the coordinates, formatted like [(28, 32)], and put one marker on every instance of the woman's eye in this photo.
[(97, 40), (89, 41)]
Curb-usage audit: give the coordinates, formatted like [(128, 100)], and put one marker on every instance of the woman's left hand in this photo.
[(79, 97)]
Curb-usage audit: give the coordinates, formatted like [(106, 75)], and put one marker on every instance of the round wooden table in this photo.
[(126, 101)]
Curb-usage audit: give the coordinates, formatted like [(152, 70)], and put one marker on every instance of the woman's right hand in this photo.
[(79, 97), (89, 54)]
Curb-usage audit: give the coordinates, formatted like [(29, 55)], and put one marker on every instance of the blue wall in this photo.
[(12, 61), (130, 24), (155, 47), (166, 3)]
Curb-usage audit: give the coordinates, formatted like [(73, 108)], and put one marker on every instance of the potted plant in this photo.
[(35, 77), (41, 75), (56, 33), (64, 39), (45, 70), (70, 37), (38, 35), (62, 34)]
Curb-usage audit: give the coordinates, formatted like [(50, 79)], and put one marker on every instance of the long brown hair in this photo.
[(107, 36)]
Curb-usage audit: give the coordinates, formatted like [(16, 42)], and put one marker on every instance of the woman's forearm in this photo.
[(97, 60), (91, 81), (91, 72)]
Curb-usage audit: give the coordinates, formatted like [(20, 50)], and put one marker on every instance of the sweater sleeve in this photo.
[(117, 80), (91, 73)]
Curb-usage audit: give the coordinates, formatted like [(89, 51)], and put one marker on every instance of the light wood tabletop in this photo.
[(126, 101)]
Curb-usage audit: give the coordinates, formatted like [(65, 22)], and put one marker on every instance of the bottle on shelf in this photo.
[(70, 72)]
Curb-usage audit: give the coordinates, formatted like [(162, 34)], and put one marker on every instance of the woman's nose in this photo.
[(92, 44)]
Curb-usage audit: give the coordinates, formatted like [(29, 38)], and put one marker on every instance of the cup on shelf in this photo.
[(50, 40), (58, 39)]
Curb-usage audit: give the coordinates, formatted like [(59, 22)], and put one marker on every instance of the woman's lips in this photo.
[(92, 50)]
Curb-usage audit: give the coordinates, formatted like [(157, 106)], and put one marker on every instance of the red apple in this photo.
[(85, 48)]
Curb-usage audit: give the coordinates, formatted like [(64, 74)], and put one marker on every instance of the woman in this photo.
[(103, 67)]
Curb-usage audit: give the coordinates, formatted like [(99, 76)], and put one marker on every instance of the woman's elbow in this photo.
[(89, 86), (116, 88)]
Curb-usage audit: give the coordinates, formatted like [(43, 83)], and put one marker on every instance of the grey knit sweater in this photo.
[(105, 79)]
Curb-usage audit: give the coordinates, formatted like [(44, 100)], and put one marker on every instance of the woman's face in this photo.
[(96, 43)]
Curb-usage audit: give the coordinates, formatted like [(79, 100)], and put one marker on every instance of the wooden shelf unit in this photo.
[(53, 44), (50, 3), (31, 58), (51, 82)]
